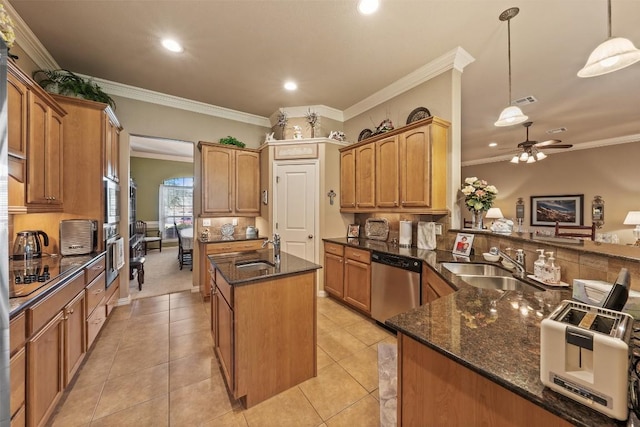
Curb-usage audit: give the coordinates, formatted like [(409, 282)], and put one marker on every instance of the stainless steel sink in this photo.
[(476, 269), (498, 282), (256, 264)]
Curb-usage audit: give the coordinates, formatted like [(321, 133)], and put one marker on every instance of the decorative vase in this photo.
[(476, 219)]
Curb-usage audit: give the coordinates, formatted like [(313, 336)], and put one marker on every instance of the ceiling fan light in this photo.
[(611, 55), (540, 155), (531, 159), (524, 156), (515, 159), (511, 116)]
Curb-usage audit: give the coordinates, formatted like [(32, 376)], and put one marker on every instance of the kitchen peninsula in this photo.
[(263, 322)]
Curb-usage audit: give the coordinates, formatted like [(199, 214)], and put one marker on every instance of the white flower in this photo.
[(470, 180), (467, 190), (492, 189)]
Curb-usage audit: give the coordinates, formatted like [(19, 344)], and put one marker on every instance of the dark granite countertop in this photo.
[(494, 333), (289, 265), (224, 239)]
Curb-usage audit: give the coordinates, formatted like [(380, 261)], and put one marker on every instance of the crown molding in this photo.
[(457, 58), (29, 42), (157, 156)]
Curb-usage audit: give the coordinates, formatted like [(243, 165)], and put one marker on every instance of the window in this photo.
[(176, 205)]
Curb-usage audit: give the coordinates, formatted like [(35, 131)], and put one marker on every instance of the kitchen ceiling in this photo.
[(238, 53)]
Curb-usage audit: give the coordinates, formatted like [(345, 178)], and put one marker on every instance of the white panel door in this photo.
[(295, 208)]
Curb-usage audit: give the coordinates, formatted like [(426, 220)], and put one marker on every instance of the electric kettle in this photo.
[(27, 244)]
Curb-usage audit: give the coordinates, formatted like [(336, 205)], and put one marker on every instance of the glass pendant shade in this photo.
[(524, 156), (515, 159), (540, 155), (511, 116), (611, 55), (531, 159)]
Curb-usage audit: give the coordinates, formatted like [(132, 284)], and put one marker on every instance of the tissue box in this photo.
[(593, 292)]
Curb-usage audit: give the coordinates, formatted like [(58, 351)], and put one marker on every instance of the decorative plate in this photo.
[(227, 230), (418, 114), (366, 133)]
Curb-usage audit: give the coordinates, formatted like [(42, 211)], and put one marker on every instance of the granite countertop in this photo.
[(289, 264), (222, 239), (494, 333)]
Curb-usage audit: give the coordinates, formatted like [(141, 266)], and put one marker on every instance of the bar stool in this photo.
[(137, 263)]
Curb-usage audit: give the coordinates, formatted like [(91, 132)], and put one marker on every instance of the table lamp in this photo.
[(633, 218), (495, 213)]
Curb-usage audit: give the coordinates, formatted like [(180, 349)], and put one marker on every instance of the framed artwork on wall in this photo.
[(567, 210)]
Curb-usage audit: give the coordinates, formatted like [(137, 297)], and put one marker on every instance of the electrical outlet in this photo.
[(234, 221), (438, 229), (206, 222)]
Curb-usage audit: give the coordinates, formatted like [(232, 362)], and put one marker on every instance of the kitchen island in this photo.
[(263, 322)]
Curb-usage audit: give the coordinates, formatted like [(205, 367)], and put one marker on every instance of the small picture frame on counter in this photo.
[(462, 245), (353, 230)]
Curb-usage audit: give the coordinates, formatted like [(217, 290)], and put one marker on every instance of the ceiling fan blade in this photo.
[(558, 146), (547, 143)]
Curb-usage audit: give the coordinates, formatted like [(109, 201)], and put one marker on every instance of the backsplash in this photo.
[(217, 223), (394, 224)]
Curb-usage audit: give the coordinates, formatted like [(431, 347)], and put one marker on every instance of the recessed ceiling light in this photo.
[(493, 144), (367, 7), (172, 45), (290, 85)]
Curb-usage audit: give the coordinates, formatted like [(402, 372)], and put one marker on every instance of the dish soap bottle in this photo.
[(538, 266), (551, 270)]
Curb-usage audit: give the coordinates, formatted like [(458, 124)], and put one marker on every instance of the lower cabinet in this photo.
[(224, 348), (348, 277), (18, 372), (75, 343), (334, 269), (433, 286)]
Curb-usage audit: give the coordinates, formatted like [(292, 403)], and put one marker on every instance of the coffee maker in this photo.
[(28, 245)]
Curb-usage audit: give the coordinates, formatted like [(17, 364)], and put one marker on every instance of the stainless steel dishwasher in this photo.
[(395, 285)]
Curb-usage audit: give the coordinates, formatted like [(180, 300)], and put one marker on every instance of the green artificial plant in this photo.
[(65, 82), (229, 140)]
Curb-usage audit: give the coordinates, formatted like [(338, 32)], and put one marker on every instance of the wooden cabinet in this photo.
[(75, 345), (230, 181), (222, 247), (18, 102), (357, 278), (17, 369), (111, 146), (433, 286), (348, 179), (404, 170), (334, 269), (224, 339)]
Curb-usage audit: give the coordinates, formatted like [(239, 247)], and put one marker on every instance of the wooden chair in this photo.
[(137, 263), (185, 256), (588, 231), (141, 228)]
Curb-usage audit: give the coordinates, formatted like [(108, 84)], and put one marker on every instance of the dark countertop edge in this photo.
[(218, 239), (47, 289)]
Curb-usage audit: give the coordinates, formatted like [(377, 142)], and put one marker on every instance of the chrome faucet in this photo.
[(519, 261), (276, 247)]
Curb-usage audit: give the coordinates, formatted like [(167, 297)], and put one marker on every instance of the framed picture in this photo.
[(462, 245), (353, 230), (567, 210)]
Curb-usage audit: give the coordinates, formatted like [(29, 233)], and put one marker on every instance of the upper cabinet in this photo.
[(404, 170), (111, 147), (230, 180), (18, 100)]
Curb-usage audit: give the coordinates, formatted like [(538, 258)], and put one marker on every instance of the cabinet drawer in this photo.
[(334, 248), (17, 332), (17, 367), (228, 247), (94, 324), (95, 293), (224, 288), (357, 255), (42, 312), (94, 269)]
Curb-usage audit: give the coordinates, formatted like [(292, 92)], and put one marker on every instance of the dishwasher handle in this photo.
[(398, 261)]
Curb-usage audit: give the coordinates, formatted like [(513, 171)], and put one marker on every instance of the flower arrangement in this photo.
[(312, 118), (478, 194), (6, 28), (282, 120)]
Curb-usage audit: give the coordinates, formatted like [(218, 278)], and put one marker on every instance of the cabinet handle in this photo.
[(70, 311), (97, 291)]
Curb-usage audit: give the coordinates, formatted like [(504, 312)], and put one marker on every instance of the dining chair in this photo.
[(185, 256), (148, 236)]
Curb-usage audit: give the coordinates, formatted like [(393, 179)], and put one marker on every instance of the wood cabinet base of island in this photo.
[(264, 334), (434, 390)]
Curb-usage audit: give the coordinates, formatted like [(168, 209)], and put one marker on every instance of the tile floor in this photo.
[(153, 365)]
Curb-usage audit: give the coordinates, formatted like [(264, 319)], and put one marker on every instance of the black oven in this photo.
[(113, 248), (111, 202)]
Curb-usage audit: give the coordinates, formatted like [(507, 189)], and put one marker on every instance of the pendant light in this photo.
[(511, 115), (611, 55)]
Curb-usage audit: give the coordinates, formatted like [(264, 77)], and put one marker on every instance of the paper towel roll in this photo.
[(405, 233), (426, 235)]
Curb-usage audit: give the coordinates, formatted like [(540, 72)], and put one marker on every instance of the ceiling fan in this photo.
[(530, 150)]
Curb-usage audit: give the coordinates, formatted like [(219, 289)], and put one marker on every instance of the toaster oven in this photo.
[(78, 236)]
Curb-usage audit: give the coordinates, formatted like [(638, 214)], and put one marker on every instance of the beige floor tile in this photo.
[(185, 299), (363, 367), (161, 317), (128, 390), (189, 326), (114, 327), (137, 357), (340, 344), (323, 358), (343, 316), (189, 312), (94, 370), (190, 344), (332, 391), (192, 369), (122, 312), (150, 305), (289, 408), (368, 332), (234, 418), (147, 335), (198, 403), (365, 412), (78, 407), (152, 413), (324, 324)]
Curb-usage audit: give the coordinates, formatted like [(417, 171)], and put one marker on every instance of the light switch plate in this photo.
[(206, 222), (234, 221), (438, 229)]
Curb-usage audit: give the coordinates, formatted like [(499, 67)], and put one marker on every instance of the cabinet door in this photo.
[(54, 160), (247, 182), (45, 370), (111, 151), (17, 98), (17, 370), (415, 168), (74, 336), (365, 176), (334, 275), (225, 339), (348, 179), (217, 180), (36, 156), (387, 178), (357, 284), (214, 314)]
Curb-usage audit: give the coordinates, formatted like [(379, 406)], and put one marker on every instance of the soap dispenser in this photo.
[(538, 266), (551, 270)]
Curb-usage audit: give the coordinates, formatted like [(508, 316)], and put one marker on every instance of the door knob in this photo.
[(311, 236)]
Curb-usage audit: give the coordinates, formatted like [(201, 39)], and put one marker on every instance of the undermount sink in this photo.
[(256, 264), (498, 282), (458, 268)]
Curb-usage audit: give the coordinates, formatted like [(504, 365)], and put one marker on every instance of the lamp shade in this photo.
[(633, 218), (494, 213), (611, 55), (511, 116)]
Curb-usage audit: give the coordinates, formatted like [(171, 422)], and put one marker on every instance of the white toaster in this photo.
[(584, 355), (78, 236)]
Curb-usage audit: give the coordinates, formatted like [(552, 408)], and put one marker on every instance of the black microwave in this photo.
[(111, 202)]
